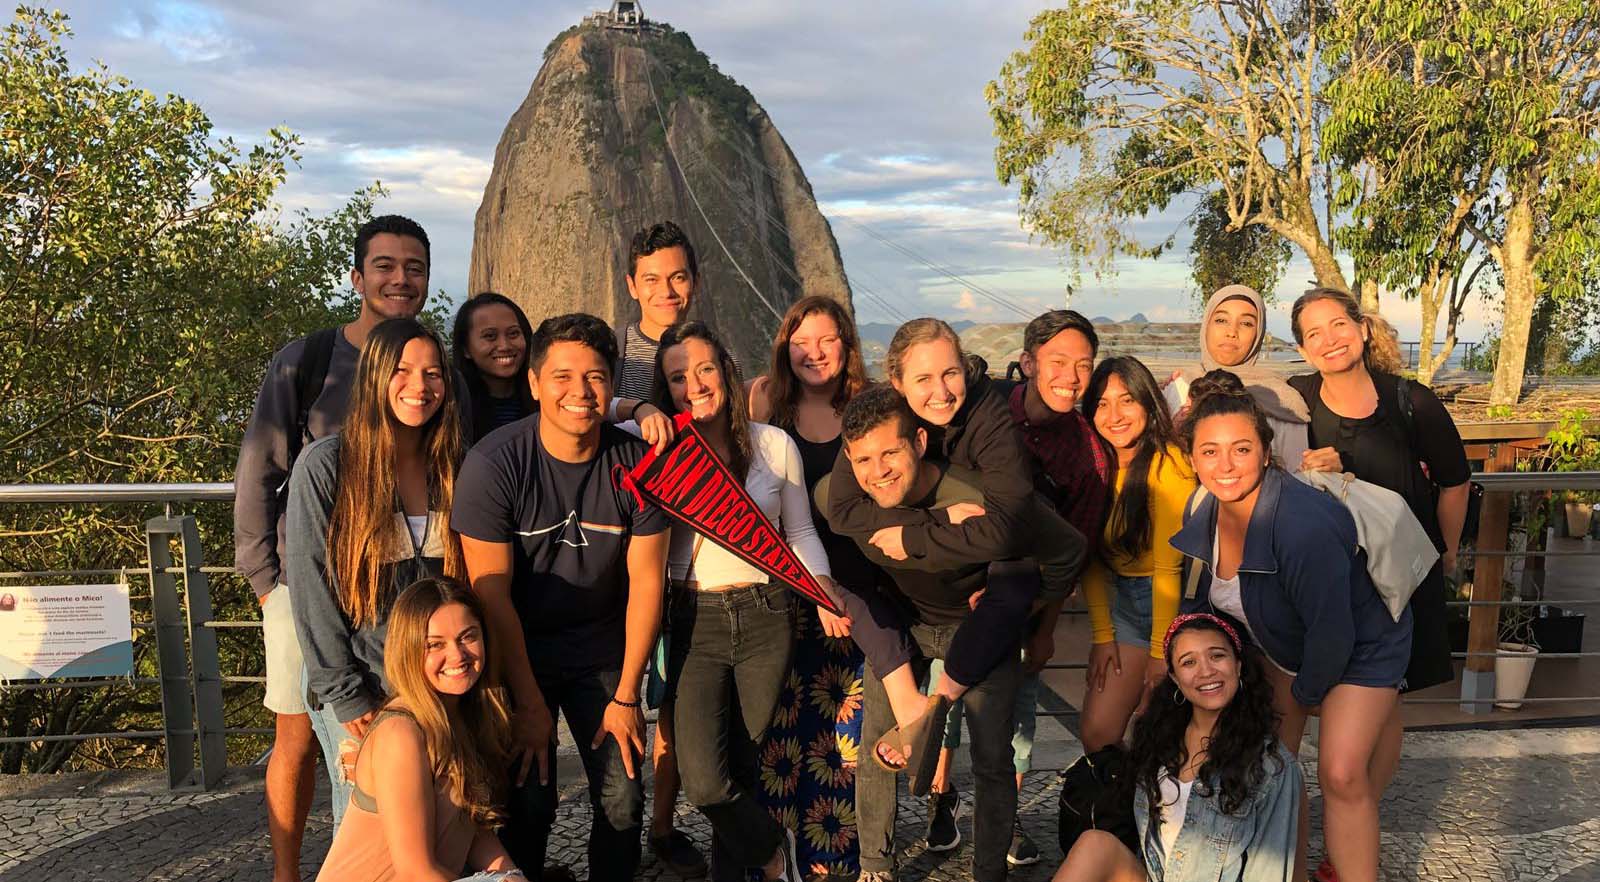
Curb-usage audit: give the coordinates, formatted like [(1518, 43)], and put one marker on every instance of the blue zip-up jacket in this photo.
[(1256, 845), (1304, 585)]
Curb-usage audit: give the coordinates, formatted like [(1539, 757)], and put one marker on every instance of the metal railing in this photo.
[(191, 683), (194, 732)]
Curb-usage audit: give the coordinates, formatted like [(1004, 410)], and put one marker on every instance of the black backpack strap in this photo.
[(1407, 411), (310, 373)]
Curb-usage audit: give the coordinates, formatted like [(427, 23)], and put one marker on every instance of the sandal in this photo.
[(920, 740)]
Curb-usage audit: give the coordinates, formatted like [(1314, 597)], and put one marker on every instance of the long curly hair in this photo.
[(1242, 744), (1129, 519)]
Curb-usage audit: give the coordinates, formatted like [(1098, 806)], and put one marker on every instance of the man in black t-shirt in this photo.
[(884, 447), (570, 567)]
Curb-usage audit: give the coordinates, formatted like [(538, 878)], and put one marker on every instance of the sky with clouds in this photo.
[(882, 102)]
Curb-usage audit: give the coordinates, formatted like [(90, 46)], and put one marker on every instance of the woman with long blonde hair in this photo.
[(368, 514), (427, 778)]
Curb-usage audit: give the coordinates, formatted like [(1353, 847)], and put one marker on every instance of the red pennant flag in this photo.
[(695, 488)]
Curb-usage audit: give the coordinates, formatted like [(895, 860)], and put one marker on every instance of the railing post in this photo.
[(172, 657), (1483, 629), (205, 667)]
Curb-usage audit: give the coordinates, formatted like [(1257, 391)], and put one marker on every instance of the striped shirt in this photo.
[(637, 369)]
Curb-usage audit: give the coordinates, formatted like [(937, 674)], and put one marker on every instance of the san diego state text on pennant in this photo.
[(691, 484)]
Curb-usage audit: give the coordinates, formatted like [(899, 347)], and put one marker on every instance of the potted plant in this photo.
[(1518, 650), (1568, 448)]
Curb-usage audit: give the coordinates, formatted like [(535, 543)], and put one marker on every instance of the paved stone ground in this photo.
[(1485, 805)]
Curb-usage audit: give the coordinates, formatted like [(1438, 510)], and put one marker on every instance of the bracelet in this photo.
[(626, 704)]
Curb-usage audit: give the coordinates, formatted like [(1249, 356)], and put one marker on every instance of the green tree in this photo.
[(1485, 114), (1218, 256), (1116, 107), (145, 279)]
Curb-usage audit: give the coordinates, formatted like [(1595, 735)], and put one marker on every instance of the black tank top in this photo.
[(850, 567)]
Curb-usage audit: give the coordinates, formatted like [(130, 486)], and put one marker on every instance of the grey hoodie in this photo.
[(344, 664)]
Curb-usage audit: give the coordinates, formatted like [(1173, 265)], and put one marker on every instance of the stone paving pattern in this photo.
[(1502, 805)]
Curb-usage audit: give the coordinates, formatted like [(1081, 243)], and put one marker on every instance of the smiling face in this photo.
[(1118, 417), (416, 389), (933, 380), (495, 342), (573, 388), (1229, 458), (694, 378), (664, 287), (453, 660), (886, 462), (1231, 333), (1205, 668), (1060, 369), (1331, 340), (393, 279), (816, 351)]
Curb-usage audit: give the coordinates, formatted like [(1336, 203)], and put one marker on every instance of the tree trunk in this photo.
[(1435, 288), (1521, 294), (1323, 263), (1369, 296)]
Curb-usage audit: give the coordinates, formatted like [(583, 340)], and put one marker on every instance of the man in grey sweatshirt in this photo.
[(391, 277)]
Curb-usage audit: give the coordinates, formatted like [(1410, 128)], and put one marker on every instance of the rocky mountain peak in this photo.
[(624, 127)]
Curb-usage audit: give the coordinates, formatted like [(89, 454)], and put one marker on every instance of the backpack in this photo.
[(1097, 794), (310, 373)]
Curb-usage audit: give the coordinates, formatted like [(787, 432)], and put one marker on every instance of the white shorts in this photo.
[(286, 667)]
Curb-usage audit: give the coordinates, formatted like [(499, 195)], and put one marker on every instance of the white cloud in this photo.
[(443, 173), (189, 32)]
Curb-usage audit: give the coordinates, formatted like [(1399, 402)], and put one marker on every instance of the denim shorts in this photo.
[(1130, 610)]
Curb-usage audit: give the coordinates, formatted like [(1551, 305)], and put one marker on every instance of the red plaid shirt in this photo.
[(1070, 467)]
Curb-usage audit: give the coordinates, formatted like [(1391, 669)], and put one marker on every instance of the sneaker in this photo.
[(1022, 852), (944, 809), (791, 863), (1325, 872), (677, 852)]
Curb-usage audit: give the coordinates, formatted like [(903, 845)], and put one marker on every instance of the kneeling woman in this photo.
[(1283, 558), (731, 627), (1216, 795), (425, 778)]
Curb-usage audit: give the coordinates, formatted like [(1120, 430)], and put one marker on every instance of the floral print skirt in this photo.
[(808, 760)]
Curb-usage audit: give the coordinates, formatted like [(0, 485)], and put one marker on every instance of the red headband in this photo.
[(1180, 621)]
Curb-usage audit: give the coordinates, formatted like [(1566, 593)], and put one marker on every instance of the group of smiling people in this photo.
[(452, 599)]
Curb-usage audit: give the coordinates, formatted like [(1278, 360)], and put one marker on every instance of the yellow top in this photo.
[(1171, 482)]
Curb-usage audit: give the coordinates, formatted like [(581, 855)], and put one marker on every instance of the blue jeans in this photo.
[(616, 802), (1027, 710), (330, 735), (728, 660)]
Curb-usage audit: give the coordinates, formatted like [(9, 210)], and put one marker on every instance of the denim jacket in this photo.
[(1256, 845)]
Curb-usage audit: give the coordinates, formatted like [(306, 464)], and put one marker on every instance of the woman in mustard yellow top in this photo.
[(1132, 583)]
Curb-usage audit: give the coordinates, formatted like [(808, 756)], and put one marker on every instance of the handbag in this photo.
[(1399, 551), (1097, 794)]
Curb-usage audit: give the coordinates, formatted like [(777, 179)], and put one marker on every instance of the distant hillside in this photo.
[(882, 332)]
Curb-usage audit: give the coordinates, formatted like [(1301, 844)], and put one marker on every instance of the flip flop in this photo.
[(921, 739)]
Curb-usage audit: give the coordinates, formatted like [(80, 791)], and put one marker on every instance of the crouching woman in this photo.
[(425, 779), (1216, 795)]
